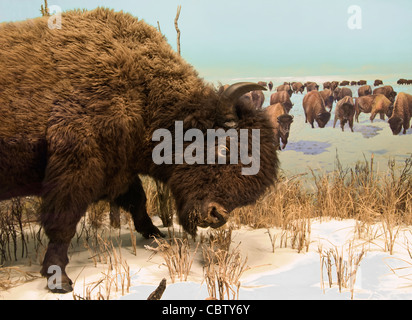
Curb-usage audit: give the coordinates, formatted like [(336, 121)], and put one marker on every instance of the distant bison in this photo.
[(402, 113), (387, 91), (344, 83), (334, 85), (344, 112), (362, 82), (340, 93), (310, 86), (270, 85), (298, 87), (285, 87), (377, 83), (373, 104), (79, 109), (281, 121), (364, 90), (256, 97), (314, 108), (283, 98)]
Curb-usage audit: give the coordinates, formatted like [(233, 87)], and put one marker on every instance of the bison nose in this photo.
[(215, 217)]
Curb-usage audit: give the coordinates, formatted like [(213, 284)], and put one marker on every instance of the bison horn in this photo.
[(235, 91)]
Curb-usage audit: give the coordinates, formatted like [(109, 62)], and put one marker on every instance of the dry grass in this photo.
[(177, 255), (345, 262), (379, 200), (222, 272)]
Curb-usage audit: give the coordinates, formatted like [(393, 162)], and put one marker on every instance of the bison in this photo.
[(387, 91), (285, 87), (310, 86), (402, 113), (340, 93), (298, 87), (364, 90), (374, 104), (281, 122), (334, 85), (327, 97), (283, 98), (344, 112), (81, 110), (314, 108), (256, 97), (377, 83), (344, 83)]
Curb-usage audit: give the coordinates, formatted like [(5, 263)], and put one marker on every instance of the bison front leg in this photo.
[(60, 227), (134, 201)]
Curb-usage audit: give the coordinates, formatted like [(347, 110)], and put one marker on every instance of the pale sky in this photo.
[(268, 37)]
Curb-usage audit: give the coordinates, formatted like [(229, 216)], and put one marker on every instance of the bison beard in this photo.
[(79, 106)]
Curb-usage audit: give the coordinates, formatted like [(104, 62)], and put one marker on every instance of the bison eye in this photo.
[(222, 150)]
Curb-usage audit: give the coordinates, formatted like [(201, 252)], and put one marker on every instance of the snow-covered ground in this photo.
[(282, 274)]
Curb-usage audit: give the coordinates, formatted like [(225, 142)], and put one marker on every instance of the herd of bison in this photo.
[(318, 104)]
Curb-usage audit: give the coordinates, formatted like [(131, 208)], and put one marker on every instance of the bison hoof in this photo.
[(155, 232), (63, 288)]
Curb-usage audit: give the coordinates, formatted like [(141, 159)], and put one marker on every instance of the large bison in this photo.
[(314, 108), (82, 109), (281, 122), (283, 98), (402, 113), (344, 112)]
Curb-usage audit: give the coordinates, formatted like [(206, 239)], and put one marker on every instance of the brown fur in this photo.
[(283, 98), (311, 86), (344, 112), (364, 91), (387, 91), (374, 104), (78, 110), (281, 122), (327, 97), (298, 87), (285, 87), (340, 93), (314, 108), (402, 113)]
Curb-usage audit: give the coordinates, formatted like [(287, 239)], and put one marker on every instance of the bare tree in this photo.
[(177, 28), (45, 10)]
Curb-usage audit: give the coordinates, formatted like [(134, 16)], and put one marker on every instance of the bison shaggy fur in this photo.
[(79, 106), (402, 113), (314, 108)]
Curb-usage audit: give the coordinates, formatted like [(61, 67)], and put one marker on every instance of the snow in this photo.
[(283, 274)]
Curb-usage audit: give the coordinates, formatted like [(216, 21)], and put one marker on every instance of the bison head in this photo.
[(322, 119), (205, 191), (284, 121), (395, 123)]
